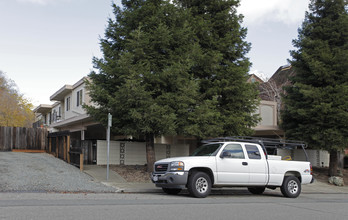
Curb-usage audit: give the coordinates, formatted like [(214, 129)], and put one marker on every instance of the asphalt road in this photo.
[(162, 206)]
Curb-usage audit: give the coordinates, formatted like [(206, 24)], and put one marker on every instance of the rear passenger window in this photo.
[(253, 152)]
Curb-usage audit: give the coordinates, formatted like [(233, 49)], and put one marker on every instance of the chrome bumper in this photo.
[(170, 179)]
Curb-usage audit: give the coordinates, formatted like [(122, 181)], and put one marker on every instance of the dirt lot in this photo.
[(321, 174), (133, 174), (139, 174)]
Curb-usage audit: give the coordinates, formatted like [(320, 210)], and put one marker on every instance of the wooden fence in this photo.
[(23, 138)]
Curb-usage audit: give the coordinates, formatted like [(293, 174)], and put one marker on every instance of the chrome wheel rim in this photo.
[(201, 185), (292, 187)]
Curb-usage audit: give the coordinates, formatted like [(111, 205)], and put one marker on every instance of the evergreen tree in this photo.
[(174, 67), (316, 106), (144, 78), (222, 69)]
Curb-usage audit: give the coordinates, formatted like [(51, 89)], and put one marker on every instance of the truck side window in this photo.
[(253, 152), (234, 151)]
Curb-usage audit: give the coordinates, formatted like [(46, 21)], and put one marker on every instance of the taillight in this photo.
[(311, 169)]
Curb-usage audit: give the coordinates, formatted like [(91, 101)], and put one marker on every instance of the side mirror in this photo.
[(225, 154)]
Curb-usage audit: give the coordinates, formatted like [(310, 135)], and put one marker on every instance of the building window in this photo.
[(79, 98), (59, 113), (67, 104), (54, 115)]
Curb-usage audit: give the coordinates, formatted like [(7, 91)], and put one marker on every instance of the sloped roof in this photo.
[(253, 76), (281, 76)]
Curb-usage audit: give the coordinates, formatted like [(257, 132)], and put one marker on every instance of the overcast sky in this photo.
[(45, 44)]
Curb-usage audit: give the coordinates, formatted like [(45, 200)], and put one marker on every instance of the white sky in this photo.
[(45, 44)]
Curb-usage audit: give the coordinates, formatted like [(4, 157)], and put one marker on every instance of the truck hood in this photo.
[(183, 159), (193, 161)]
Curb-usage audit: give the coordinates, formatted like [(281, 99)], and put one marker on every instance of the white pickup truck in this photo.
[(234, 162)]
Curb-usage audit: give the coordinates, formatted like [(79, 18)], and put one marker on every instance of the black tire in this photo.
[(291, 187), (199, 185), (257, 190), (171, 191)]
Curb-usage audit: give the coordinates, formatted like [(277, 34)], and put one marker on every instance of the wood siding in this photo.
[(23, 138)]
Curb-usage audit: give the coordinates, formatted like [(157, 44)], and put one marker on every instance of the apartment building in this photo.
[(73, 130)]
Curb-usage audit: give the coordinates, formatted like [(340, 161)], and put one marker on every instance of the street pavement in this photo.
[(121, 185), (153, 206)]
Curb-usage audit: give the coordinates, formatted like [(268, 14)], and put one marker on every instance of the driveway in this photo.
[(41, 172)]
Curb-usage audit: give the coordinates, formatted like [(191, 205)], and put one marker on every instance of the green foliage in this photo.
[(174, 68), (317, 103), (222, 68)]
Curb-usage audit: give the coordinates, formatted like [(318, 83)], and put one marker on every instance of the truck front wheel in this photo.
[(291, 187), (199, 185)]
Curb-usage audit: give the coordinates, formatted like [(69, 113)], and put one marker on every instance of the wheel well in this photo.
[(205, 170), (294, 173)]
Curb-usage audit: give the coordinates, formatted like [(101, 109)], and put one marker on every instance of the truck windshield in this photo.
[(207, 150)]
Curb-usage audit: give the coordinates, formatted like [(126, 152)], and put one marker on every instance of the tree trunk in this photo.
[(333, 165), (150, 152)]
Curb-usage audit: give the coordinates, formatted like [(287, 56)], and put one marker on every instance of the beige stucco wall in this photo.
[(74, 109), (134, 153), (102, 152), (318, 158), (268, 113)]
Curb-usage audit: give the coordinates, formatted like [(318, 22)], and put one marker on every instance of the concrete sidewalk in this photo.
[(121, 185), (118, 182)]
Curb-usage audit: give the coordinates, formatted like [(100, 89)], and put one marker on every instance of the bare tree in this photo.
[(270, 90)]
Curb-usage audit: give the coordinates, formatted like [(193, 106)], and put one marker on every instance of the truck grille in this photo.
[(161, 167)]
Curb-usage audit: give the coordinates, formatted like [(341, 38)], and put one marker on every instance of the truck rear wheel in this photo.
[(256, 190), (199, 185), (291, 187), (171, 191)]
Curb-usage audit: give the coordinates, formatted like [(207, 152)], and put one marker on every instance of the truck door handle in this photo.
[(245, 163)]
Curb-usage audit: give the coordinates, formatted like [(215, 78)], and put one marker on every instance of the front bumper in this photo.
[(170, 179)]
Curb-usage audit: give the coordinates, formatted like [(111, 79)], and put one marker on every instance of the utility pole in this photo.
[(108, 145)]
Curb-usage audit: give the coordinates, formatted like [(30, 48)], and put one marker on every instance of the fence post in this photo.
[(50, 145), (57, 147), (64, 148), (68, 145), (81, 162)]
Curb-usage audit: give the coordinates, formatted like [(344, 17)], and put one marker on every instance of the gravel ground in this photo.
[(132, 173), (40, 172)]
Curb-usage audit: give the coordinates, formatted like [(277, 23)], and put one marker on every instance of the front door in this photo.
[(232, 166)]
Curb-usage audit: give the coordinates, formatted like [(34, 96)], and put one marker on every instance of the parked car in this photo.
[(234, 162)]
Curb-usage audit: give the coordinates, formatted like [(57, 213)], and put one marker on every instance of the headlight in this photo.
[(177, 166)]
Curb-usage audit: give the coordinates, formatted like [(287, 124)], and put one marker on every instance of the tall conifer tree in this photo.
[(316, 106), (144, 78), (174, 67), (222, 69)]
